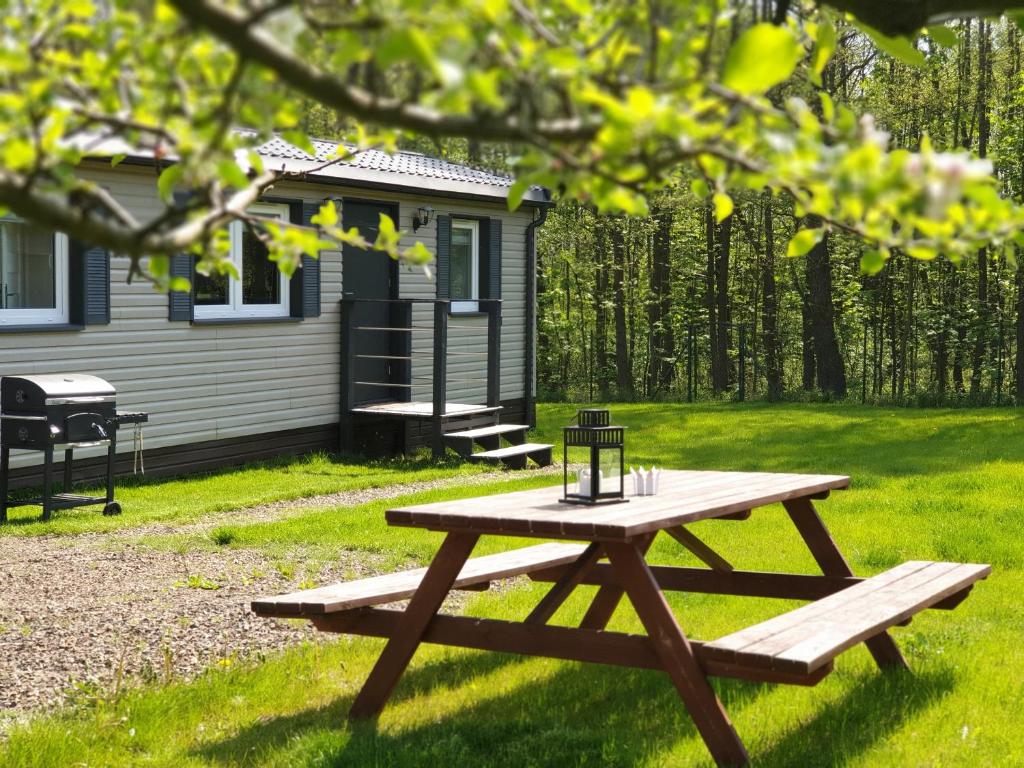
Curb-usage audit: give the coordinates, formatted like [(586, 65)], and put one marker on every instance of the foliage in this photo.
[(604, 102), (908, 331)]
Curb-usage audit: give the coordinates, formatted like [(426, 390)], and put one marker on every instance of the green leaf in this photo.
[(700, 188), (824, 47), (117, 159), (871, 262), (762, 57), (723, 207), (944, 36), (168, 179), (327, 216), (516, 192), (803, 241), (231, 174), (900, 48), (300, 140)]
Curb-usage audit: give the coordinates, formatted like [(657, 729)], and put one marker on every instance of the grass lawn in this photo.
[(189, 498), (926, 484)]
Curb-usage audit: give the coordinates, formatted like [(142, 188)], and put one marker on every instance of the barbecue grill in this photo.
[(42, 413)]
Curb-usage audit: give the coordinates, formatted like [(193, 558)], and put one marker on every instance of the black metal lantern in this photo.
[(593, 460)]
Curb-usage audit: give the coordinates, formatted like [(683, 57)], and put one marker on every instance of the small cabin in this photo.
[(354, 352)]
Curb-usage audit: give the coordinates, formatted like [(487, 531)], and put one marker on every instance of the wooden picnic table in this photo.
[(797, 647)]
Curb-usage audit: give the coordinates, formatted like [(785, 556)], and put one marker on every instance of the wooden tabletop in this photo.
[(684, 496)]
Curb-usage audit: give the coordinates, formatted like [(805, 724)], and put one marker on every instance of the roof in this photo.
[(405, 170), (371, 168)]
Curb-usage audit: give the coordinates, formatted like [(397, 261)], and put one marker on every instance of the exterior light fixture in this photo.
[(422, 217)]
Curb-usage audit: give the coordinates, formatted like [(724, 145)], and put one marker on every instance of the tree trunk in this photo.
[(1018, 363), (710, 304), (830, 369), (661, 365), (723, 243), (623, 372), (981, 337), (770, 310), (601, 362)]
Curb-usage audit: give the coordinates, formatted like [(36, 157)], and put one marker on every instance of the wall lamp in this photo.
[(422, 217)]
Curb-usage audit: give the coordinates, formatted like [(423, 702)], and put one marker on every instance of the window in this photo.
[(33, 274), (262, 291), (465, 265)]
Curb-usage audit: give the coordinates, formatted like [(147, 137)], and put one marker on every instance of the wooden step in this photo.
[(494, 429), (489, 438), (809, 637), (515, 456), (401, 586)]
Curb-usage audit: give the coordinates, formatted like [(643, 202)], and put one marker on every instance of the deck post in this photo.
[(494, 353), (346, 438), (440, 394)]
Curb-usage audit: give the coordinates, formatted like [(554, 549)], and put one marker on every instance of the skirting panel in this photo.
[(195, 457)]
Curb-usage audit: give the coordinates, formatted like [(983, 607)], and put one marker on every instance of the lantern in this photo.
[(593, 460)]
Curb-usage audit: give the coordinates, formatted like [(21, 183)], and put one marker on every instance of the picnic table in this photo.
[(797, 647)]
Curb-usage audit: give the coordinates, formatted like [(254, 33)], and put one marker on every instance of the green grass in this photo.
[(189, 498), (926, 484)]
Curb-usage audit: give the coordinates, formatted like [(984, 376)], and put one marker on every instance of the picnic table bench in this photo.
[(797, 647)]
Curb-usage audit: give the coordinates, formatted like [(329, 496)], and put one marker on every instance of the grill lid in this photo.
[(19, 392)]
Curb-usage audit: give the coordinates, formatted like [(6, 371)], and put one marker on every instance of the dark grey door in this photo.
[(372, 275)]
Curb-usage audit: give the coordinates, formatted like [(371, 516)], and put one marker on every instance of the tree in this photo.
[(608, 122)]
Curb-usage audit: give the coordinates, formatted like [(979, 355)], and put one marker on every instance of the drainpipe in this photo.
[(531, 314)]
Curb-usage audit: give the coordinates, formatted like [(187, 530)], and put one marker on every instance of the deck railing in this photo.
[(361, 369)]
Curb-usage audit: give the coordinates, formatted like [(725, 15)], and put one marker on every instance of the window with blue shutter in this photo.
[(468, 262), (266, 295)]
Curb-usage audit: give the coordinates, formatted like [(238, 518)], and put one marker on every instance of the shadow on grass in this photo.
[(844, 729), (580, 715)]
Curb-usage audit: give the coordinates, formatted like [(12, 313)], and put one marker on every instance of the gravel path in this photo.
[(81, 616)]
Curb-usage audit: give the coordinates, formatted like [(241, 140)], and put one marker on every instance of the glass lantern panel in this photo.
[(578, 462), (611, 470)]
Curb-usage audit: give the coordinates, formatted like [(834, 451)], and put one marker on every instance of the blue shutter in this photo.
[(305, 283), (180, 302), (89, 285), (493, 259), (444, 257)]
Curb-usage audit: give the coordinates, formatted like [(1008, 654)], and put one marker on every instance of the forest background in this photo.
[(681, 305)]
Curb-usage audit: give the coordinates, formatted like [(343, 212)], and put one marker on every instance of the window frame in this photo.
[(60, 313), (471, 304), (236, 308)]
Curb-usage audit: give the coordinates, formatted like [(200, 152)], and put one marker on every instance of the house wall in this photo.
[(203, 383)]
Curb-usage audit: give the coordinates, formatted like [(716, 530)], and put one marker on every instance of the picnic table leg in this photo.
[(423, 606), (562, 588), (676, 654), (608, 596), (832, 563)]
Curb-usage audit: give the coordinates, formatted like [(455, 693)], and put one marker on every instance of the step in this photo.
[(494, 429), (515, 456)]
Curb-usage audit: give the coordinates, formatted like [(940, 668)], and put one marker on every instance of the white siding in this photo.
[(206, 382)]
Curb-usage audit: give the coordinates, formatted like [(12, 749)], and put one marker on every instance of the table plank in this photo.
[(685, 496)]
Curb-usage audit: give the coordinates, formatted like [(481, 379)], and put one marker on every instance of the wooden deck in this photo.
[(413, 410)]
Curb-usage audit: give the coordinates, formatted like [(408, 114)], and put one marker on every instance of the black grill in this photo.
[(40, 413)]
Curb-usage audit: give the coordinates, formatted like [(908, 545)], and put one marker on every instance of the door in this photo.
[(372, 275)]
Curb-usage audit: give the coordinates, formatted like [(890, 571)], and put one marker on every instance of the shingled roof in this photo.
[(402, 170)]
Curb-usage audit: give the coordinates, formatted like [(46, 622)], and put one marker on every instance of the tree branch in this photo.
[(248, 41)]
